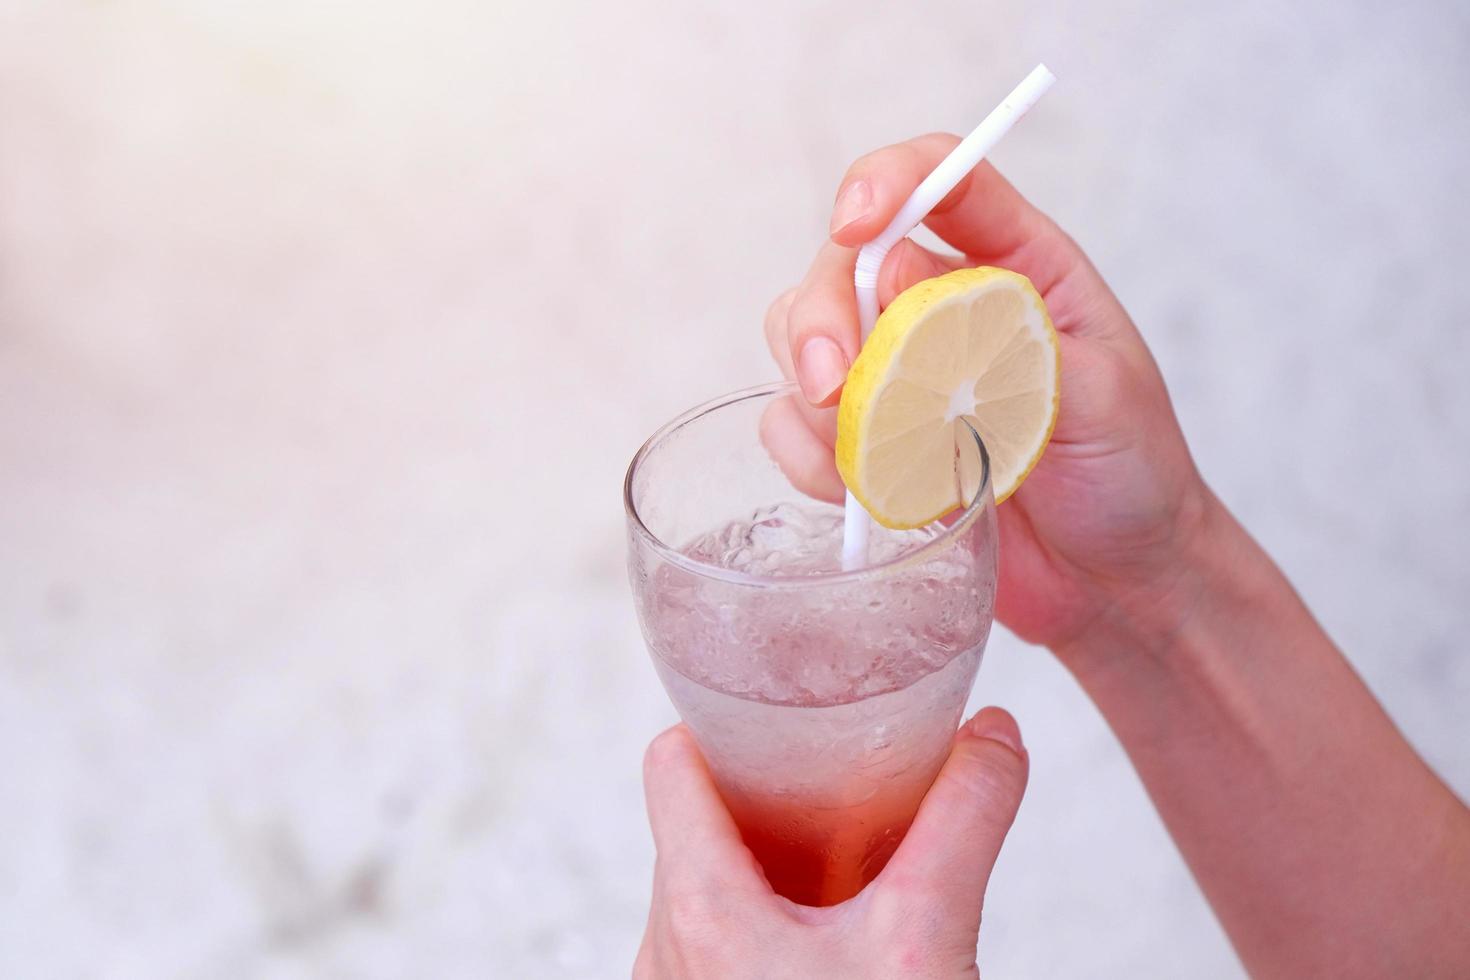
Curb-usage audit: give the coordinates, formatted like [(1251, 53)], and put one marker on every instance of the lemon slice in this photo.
[(975, 344)]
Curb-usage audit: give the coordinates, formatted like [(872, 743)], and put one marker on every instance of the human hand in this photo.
[(714, 915), (1105, 515)]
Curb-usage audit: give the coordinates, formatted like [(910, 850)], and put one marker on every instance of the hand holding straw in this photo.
[(943, 179)]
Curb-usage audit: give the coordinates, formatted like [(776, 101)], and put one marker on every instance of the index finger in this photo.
[(984, 216), (692, 830)]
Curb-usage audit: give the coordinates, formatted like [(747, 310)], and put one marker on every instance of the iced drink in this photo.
[(824, 701)]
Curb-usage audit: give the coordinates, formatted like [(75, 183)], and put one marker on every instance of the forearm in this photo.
[(1322, 841)]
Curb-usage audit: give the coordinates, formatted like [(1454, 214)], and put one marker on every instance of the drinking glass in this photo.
[(823, 700)]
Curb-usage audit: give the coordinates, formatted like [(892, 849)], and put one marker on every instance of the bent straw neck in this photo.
[(931, 190)]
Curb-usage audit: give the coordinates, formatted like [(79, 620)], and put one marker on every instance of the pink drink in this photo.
[(824, 702)]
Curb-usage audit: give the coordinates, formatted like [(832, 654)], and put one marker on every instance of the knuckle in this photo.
[(944, 140), (694, 917), (1111, 381), (814, 473), (800, 318), (688, 933), (811, 313), (776, 315), (864, 164), (895, 892), (807, 481), (781, 304), (802, 452), (881, 159), (919, 153), (911, 923), (911, 153)]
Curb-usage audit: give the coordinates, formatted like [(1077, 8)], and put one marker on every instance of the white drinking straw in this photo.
[(951, 170)]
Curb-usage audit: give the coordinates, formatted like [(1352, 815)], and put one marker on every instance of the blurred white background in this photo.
[(326, 331)]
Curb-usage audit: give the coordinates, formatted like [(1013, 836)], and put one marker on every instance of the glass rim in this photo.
[(672, 555)]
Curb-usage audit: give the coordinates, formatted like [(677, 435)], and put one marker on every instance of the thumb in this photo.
[(948, 852)]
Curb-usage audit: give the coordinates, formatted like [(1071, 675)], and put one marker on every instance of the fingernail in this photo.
[(852, 205), (996, 725), (820, 369)]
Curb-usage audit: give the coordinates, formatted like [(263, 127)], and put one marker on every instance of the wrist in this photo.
[(1150, 621)]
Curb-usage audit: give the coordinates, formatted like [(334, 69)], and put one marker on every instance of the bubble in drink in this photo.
[(825, 711)]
